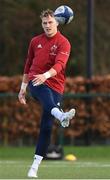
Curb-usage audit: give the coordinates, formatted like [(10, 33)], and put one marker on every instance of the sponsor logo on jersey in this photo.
[(39, 46), (65, 53)]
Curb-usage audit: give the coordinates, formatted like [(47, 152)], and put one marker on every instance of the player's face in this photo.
[(49, 25)]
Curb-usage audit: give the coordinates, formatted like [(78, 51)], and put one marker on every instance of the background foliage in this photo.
[(19, 22)]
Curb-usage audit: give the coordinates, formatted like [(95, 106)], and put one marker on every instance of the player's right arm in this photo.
[(22, 92)]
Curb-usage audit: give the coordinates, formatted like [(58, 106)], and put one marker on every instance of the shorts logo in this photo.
[(58, 103)]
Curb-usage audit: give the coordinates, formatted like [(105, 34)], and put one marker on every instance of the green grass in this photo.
[(91, 163)]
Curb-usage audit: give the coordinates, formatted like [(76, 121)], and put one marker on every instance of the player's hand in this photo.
[(38, 80), (21, 97)]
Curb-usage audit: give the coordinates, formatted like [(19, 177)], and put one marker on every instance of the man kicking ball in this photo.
[(44, 73)]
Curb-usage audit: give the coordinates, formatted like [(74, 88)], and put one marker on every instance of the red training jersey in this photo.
[(45, 53)]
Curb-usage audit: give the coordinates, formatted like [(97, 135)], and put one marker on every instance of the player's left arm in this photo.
[(62, 56)]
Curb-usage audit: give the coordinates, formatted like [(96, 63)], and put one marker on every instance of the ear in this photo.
[(42, 25), (57, 23)]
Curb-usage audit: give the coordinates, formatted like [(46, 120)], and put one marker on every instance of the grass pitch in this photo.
[(91, 163)]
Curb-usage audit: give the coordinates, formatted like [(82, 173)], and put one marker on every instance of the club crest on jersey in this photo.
[(53, 50)]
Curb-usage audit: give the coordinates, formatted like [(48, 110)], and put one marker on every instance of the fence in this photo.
[(19, 125)]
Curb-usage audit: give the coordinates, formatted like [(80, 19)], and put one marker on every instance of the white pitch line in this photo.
[(58, 164)]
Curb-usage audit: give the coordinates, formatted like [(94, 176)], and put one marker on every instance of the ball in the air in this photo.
[(64, 14)]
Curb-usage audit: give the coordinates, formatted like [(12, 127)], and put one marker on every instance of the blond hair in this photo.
[(47, 13)]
